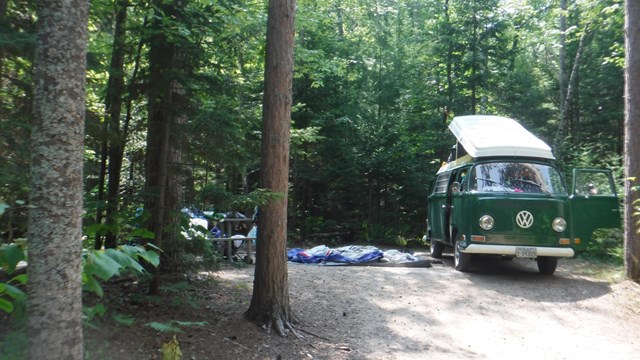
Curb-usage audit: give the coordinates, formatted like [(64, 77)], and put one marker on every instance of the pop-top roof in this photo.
[(488, 135)]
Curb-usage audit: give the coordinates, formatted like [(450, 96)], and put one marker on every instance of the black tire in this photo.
[(547, 265), (435, 249), (461, 260)]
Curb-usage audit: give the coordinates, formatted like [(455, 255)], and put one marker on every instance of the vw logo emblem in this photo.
[(524, 219)]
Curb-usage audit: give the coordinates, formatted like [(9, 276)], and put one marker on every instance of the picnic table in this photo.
[(227, 227)]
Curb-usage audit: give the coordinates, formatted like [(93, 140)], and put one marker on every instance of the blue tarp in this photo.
[(345, 254)]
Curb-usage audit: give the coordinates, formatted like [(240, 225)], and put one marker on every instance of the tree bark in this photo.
[(562, 62), (270, 302), (102, 174), (117, 137), (161, 55), (167, 102), (54, 303), (632, 143)]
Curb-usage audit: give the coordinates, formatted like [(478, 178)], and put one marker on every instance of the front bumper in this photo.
[(511, 250)]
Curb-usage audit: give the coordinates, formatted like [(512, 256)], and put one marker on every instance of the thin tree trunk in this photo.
[(3, 19), (449, 37), (474, 59), (562, 62), (114, 107), (632, 142), (101, 180), (566, 102), (54, 302), (270, 302)]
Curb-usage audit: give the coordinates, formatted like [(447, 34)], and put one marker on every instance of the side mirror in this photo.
[(455, 188)]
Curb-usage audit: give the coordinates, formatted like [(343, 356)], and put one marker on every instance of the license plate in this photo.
[(526, 252)]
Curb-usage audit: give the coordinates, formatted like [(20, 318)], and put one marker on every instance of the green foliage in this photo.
[(123, 319), (171, 350), (173, 326), (374, 88), (13, 346), (181, 293), (90, 312), (105, 264), (10, 292), (606, 247)]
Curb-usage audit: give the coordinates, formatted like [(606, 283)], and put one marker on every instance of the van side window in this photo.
[(441, 184), (593, 183)]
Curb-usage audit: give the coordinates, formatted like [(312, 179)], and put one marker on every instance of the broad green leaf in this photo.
[(132, 250), (152, 246), (142, 233), (91, 284), (152, 257), (10, 256), (12, 291), (6, 306), (124, 259), (22, 279), (102, 265), (3, 207), (140, 252)]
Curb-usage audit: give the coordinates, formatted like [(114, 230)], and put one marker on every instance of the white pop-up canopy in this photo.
[(488, 135)]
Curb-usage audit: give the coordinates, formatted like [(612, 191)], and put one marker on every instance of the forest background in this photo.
[(375, 85)]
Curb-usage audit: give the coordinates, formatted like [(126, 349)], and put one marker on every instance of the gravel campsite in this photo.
[(499, 309)]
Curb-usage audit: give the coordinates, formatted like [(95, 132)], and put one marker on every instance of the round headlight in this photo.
[(486, 222), (559, 224)]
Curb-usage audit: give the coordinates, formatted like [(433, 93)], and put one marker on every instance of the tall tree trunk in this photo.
[(161, 55), (449, 37), (474, 62), (562, 79), (571, 88), (270, 302), (102, 174), (562, 62), (632, 143), (3, 19), (167, 100), (173, 190), (54, 302), (115, 89)]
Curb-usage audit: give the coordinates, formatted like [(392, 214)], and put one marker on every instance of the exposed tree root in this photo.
[(313, 334), (283, 327)]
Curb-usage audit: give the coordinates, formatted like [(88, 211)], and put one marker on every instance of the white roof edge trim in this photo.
[(489, 135)]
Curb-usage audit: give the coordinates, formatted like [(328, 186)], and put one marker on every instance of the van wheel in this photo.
[(461, 260), (435, 249), (547, 264)]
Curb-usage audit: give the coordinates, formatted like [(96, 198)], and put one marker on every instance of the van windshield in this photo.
[(516, 177)]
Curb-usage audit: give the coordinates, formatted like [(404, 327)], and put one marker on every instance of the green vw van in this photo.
[(501, 194)]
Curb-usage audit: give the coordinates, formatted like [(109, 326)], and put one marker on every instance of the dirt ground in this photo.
[(501, 309)]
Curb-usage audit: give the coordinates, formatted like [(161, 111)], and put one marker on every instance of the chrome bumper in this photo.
[(511, 250)]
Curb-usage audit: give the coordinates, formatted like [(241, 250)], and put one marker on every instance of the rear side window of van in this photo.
[(441, 183)]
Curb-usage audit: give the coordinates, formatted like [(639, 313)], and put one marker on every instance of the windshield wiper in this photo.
[(504, 188)]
